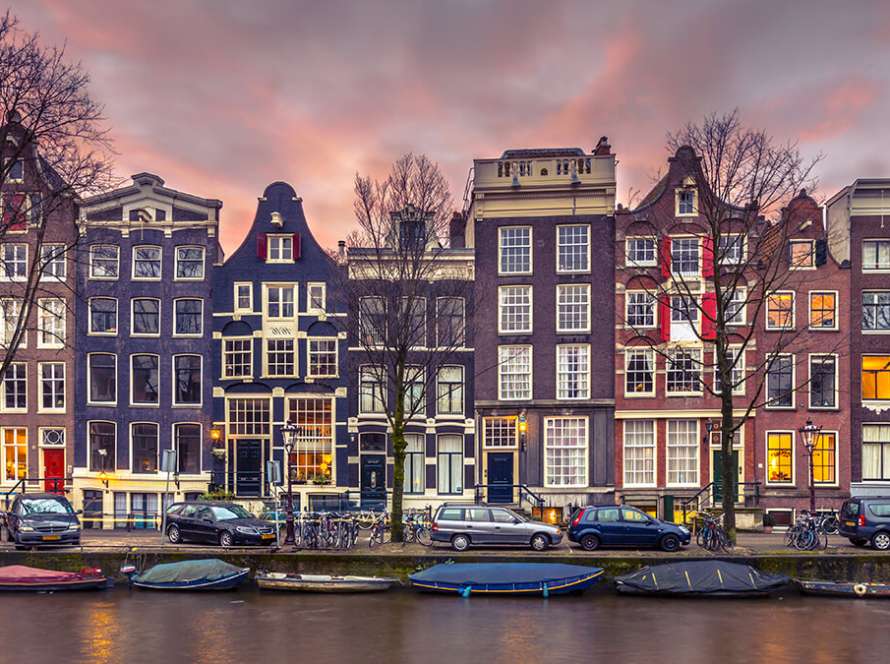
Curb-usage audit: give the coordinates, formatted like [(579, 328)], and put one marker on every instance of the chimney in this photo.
[(602, 146), (456, 231), (341, 249)]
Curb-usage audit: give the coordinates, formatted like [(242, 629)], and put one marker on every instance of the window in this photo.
[(780, 457), (641, 252), (10, 310), (281, 249), (280, 357), (823, 381), (876, 310), (313, 456), (190, 263), (280, 302), (415, 383), (52, 437), (565, 451), (147, 262), (780, 382), (187, 380), (187, 439), (145, 447), (825, 458), (500, 431), (146, 317), (686, 202), (15, 262), (315, 295), (802, 254), (684, 309), (372, 321), (450, 464), (371, 390), (823, 311), (682, 452), (515, 305), (640, 312), (780, 311), (734, 309), (415, 468), (243, 297), (104, 261), (875, 452), (188, 318), (875, 377), (573, 248), (52, 385), (572, 371), (103, 315), (248, 417), (52, 261), (50, 323), (684, 256), (639, 372), (450, 322), (237, 358), (573, 308), (15, 383), (17, 171), (102, 378), (639, 453), (875, 255), (515, 249), (322, 357), (450, 391), (15, 453), (731, 250), (736, 359), (514, 372), (144, 380), (413, 315), (102, 437), (684, 371)]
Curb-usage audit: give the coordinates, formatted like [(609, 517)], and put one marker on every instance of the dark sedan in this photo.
[(42, 519), (226, 524), (592, 527)]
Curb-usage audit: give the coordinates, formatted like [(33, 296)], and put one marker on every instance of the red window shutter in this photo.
[(297, 247), (261, 246), (707, 256), (14, 218), (664, 317), (665, 257), (709, 316)]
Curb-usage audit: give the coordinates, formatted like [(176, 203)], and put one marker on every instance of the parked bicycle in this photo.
[(418, 529), (829, 521), (711, 536), (379, 531), (807, 533)]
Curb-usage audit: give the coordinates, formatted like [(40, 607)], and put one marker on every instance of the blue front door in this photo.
[(249, 461), (373, 481), (500, 477)]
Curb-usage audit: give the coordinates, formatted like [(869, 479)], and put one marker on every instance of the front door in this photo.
[(500, 477), (249, 459), (54, 470), (373, 481), (717, 472)]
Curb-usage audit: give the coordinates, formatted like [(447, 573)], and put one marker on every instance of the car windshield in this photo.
[(46, 506), (230, 512)]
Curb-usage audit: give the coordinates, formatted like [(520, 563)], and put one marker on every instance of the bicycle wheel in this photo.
[(425, 536), (831, 525)]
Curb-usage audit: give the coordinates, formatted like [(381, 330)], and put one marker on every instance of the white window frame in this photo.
[(779, 328), (677, 195), (160, 452), (627, 298), (837, 404), (173, 377), (53, 253), (879, 269), (696, 446), (90, 317), (587, 313), (140, 404), (739, 388), (279, 237), (26, 445), (628, 353), (584, 376), (176, 250), (502, 292), (222, 373), (463, 315), (89, 395), (463, 389), (149, 335), (698, 253), (40, 388), (137, 247), (586, 454), (502, 350), (742, 246), (654, 450), (309, 354), (793, 481), (173, 444), (3, 408), (375, 372), (559, 247), (802, 241), (324, 298), (16, 246), (12, 306), (282, 286), (531, 252), (59, 324), (235, 306), (182, 334), (741, 317), (294, 358), (629, 261), (767, 403), (696, 363), (837, 300), (117, 260)]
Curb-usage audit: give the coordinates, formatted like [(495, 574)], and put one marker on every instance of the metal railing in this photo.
[(746, 493), (60, 485), (525, 493)]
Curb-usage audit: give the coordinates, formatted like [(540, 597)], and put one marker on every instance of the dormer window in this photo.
[(686, 202), (281, 248), (802, 254)]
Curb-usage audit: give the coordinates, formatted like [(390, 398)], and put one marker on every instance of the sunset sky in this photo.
[(222, 97)]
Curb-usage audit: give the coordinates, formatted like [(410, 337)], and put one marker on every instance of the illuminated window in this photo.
[(313, 455), (876, 377), (15, 454), (823, 311), (825, 459), (779, 457), (780, 311)]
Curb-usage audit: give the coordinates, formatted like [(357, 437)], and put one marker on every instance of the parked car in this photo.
[(596, 526), (464, 526), (37, 519), (866, 521), (226, 524)]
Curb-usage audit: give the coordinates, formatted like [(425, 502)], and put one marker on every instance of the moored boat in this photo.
[(529, 579), (855, 589), (701, 578), (324, 583), (208, 574), (21, 577)]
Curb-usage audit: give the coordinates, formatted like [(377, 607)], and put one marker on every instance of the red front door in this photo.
[(54, 470)]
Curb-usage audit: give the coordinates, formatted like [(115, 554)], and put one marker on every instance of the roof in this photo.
[(157, 184), (542, 153)]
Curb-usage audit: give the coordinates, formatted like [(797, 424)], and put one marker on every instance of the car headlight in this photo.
[(683, 529), (26, 529), (247, 530), (73, 526)]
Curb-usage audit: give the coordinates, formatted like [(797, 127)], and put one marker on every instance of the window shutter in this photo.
[(664, 317), (261, 246), (665, 246), (821, 252), (709, 316), (298, 246), (707, 257)]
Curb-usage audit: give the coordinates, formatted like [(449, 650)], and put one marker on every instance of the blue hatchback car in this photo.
[(596, 526)]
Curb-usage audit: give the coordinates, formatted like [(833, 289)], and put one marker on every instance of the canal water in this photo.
[(249, 626)]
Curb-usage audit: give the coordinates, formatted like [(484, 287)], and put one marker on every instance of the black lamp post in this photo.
[(810, 432), (289, 433)]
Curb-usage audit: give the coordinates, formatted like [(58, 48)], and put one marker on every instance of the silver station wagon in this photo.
[(464, 526)]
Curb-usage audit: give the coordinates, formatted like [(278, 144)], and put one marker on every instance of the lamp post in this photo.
[(809, 432), (289, 433)]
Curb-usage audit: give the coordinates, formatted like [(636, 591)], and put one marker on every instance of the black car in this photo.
[(226, 524), (592, 527), (866, 521), (42, 519)]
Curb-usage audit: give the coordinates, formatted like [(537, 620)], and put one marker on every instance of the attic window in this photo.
[(17, 171), (686, 202)]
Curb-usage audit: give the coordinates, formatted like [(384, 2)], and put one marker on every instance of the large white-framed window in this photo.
[(500, 432), (147, 262), (51, 319), (450, 390), (823, 382), (514, 309), (565, 451), (102, 441), (413, 314), (682, 453), (876, 311), (780, 457), (144, 379), (876, 452), (515, 250), (825, 452), (573, 248), (145, 317), (237, 359), (53, 262), (640, 251), (734, 309), (281, 357), (450, 322), (370, 388), (188, 317), (730, 249), (10, 311), (280, 300), (780, 310), (415, 463), (316, 297), (103, 316), (780, 381), (450, 464), (242, 297), (639, 310), (52, 386), (514, 373), (875, 255), (322, 361), (188, 379), (573, 371), (685, 256), (684, 371), (15, 388), (573, 308), (313, 455), (415, 391), (736, 357), (187, 442), (802, 254), (639, 372), (639, 453), (101, 379), (372, 320), (875, 378), (280, 248), (104, 261), (144, 443), (13, 262), (189, 263), (823, 310), (15, 453), (248, 417)]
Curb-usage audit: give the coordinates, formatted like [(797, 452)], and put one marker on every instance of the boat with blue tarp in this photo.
[(529, 579), (206, 574)]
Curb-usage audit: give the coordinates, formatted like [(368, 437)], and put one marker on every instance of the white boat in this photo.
[(324, 583)]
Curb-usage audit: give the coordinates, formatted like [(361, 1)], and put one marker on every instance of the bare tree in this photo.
[(407, 294), (55, 149), (737, 177)]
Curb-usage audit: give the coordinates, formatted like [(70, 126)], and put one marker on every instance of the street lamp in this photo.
[(289, 433), (810, 432)]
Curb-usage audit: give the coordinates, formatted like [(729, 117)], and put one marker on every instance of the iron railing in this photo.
[(525, 493), (747, 493)]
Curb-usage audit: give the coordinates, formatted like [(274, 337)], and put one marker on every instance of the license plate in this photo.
[(51, 538), (849, 523), (270, 536)]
